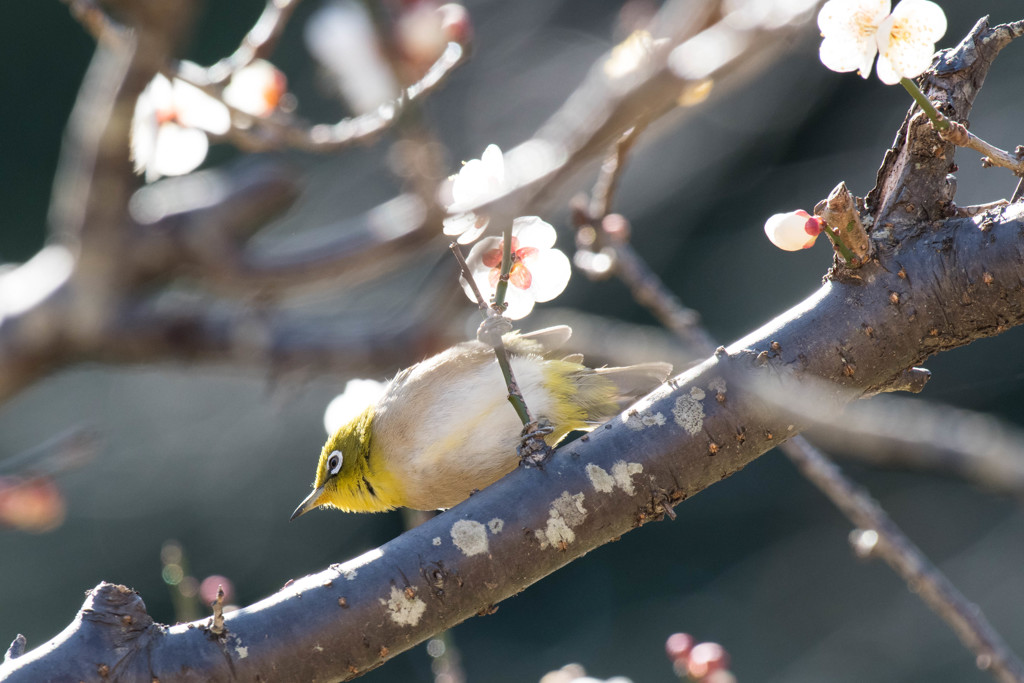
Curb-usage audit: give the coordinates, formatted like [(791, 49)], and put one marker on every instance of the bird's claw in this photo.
[(533, 450)]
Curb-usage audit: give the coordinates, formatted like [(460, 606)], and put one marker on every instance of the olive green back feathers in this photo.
[(444, 428)]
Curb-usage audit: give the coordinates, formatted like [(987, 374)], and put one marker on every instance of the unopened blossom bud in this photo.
[(793, 231), (706, 658)]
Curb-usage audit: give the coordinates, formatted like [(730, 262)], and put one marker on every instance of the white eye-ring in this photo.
[(334, 463)]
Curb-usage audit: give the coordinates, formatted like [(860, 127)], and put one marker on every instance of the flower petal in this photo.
[(475, 258), (178, 150), (533, 232), (906, 40), (847, 55), (848, 28), (343, 408), (922, 18), (551, 271), (788, 231), (519, 276), (886, 73), (848, 17), (520, 303), (470, 183), (494, 164), (468, 226), (492, 258), (196, 109)]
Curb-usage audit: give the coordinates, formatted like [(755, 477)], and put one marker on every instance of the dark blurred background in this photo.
[(216, 457)]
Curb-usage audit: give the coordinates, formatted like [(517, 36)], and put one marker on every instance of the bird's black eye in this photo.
[(334, 462)]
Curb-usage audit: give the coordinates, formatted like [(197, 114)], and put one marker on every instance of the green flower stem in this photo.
[(506, 267), (515, 396), (937, 119), (837, 243)]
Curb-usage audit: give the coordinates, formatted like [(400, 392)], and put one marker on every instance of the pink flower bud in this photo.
[(678, 646), (706, 658), (793, 231)]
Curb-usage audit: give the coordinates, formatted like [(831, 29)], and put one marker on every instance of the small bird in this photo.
[(444, 428)]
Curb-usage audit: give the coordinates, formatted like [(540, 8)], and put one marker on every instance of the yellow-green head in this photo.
[(344, 475)]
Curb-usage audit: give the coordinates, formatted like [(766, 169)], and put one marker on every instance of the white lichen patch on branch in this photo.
[(638, 420), (496, 525), (717, 385), (403, 609), (436, 540), (623, 472), (236, 643), (565, 513), (689, 411), (621, 476), (600, 479), (470, 537)]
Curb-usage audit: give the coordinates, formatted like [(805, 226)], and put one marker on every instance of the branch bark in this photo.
[(860, 331), (691, 433)]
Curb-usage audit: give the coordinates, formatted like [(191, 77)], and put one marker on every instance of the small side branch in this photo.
[(258, 42), (991, 155)]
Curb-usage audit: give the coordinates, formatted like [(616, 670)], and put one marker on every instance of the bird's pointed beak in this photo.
[(311, 501)]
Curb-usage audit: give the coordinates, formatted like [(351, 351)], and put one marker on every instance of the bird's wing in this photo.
[(549, 339)]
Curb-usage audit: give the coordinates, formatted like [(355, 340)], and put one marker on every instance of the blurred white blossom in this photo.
[(478, 181), (854, 31), (256, 89), (170, 125), (358, 394), (539, 272)]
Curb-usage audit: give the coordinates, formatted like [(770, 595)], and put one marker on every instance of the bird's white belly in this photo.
[(469, 437)]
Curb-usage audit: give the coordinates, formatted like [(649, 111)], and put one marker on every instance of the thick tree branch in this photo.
[(691, 433)]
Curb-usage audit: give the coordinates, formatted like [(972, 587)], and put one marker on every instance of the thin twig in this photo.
[(217, 620), (467, 275), (97, 22), (65, 451), (907, 560), (958, 134), (258, 42), (282, 131), (614, 165)]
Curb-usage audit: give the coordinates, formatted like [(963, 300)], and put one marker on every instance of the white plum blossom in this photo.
[(169, 127), (539, 272), (478, 181), (343, 408), (793, 231), (256, 89), (854, 31)]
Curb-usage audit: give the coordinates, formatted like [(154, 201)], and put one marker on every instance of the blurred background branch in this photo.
[(228, 267)]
